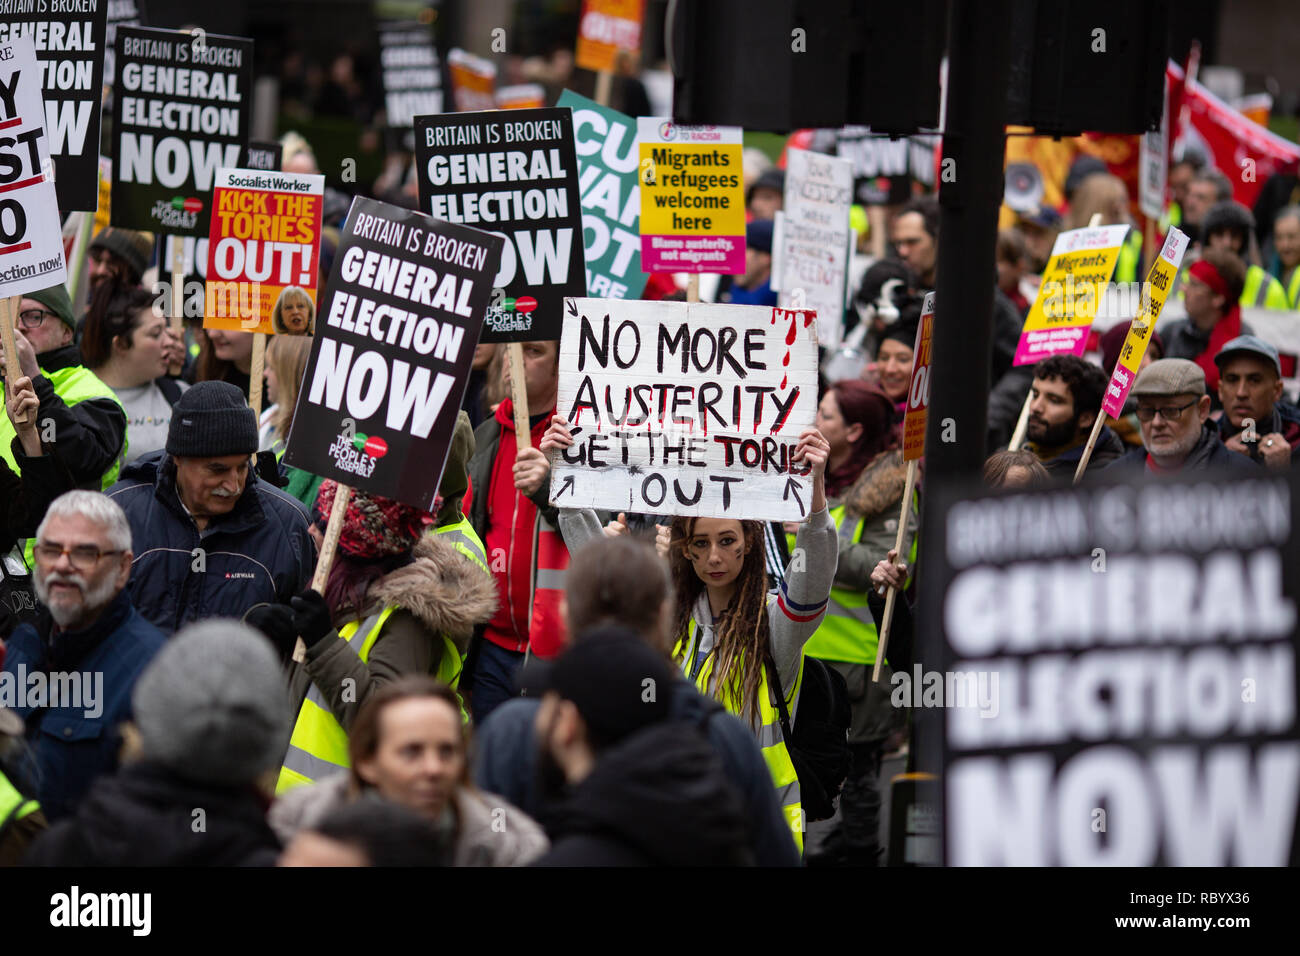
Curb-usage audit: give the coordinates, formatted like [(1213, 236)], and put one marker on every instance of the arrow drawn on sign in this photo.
[(792, 486), (568, 485)]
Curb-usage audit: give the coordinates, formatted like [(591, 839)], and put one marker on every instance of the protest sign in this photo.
[(180, 112), (265, 242), (411, 72), (813, 254), (1154, 292), (263, 156), (31, 237), (69, 41), (524, 96), (886, 171), (121, 13), (473, 81), (915, 417), (1153, 165), (1070, 293), (392, 351), (605, 141), (917, 412), (687, 409), (606, 29), (692, 197), (1101, 704), (516, 175)]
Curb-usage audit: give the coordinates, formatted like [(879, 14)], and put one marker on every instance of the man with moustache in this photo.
[(211, 538), (69, 674), (1064, 400)]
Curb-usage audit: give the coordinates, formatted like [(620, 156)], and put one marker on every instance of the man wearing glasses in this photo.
[(70, 673), (1173, 411), (80, 420)]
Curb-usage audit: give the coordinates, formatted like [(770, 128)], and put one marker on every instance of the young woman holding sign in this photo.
[(731, 635)]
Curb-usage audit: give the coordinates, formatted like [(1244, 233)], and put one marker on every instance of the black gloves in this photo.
[(276, 622), (311, 617)]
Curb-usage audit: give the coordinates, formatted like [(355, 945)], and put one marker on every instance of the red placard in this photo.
[(918, 392)]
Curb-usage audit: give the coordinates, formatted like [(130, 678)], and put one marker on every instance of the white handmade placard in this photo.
[(686, 408)]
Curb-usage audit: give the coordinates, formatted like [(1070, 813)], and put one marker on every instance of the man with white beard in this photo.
[(70, 673), (212, 539)]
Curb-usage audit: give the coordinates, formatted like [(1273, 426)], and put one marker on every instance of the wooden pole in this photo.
[(328, 548), (693, 287), (1149, 249), (1087, 449), (79, 256), (1022, 425), (604, 85), (13, 371), (178, 299), (519, 395), (256, 373), (888, 617)]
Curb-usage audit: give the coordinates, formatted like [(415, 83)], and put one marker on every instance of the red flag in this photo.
[(1247, 153)]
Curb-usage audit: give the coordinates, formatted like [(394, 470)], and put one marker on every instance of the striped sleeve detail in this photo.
[(799, 613)]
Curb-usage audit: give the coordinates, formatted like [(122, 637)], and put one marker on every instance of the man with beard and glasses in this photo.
[(70, 674), (1065, 398), (1177, 435), (212, 538)]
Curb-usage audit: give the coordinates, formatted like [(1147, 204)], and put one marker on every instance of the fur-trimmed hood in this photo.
[(880, 486), (445, 590)]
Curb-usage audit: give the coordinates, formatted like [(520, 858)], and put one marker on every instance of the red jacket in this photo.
[(526, 555)]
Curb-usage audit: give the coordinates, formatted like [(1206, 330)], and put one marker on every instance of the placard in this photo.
[(121, 13), (69, 40), (1101, 706), (686, 409), (31, 238), (606, 29), (412, 74), (605, 141), (692, 197), (1070, 294), (917, 412), (1154, 293), (473, 81), (514, 174), (814, 249), (264, 244), (180, 112), (392, 351)]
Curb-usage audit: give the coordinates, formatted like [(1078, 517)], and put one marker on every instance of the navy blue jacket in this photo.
[(259, 552), (69, 748), (506, 764)]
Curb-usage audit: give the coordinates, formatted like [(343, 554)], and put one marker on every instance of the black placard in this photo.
[(180, 112), (395, 338), (411, 71), (70, 48), (266, 156), (514, 173), (1117, 673)]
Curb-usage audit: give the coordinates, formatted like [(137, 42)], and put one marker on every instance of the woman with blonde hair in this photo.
[(286, 364), (294, 313)]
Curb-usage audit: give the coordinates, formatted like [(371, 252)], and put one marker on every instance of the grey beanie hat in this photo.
[(212, 420), (212, 705)]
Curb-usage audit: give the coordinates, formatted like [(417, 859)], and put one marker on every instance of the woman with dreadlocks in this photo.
[(732, 637)]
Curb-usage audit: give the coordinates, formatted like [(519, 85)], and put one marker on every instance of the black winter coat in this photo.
[(656, 799), (1209, 452), (258, 553), (145, 815)]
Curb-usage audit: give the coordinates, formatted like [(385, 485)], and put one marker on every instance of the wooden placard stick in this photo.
[(693, 287), (13, 371), (604, 86), (328, 548), (888, 618), (519, 395), (178, 299), (255, 374)]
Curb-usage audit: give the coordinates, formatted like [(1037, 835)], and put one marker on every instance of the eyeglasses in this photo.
[(32, 318), (83, 557), (1170, 413)]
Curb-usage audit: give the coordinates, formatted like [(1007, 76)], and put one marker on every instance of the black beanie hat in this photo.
[(212, 420)]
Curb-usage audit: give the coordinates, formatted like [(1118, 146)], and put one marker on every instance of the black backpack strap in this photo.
[(171, 391), (780, 699)]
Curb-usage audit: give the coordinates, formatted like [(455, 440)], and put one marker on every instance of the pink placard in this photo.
[(722, 254)]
